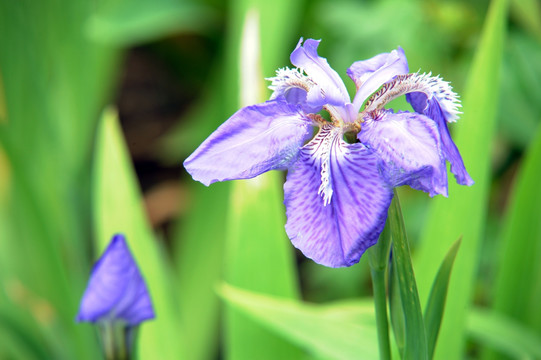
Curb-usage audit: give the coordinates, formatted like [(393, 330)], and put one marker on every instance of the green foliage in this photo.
[(521, 86), (344, 330), (519, 268), (501, 332), (464, 213), (257, 254), (53, 82), (203, 227), (415, 345), (435, 305), (124, 23), (255, 227), (67, 184), (118, 209)]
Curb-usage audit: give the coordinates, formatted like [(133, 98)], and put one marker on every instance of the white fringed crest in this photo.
[(286, 79), (434, 87)]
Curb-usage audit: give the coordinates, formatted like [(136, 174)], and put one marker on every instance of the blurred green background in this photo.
[(101, 101)]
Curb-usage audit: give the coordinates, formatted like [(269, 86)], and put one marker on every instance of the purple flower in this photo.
[(116, 291), (340, 181)]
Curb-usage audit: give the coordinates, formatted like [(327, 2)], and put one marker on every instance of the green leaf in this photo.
[(198, 247), (464, 212), (343, 330), (118, 208), (127, 23), (415, 346), (521, 87), (504, 334), (519, 266), (436, 300), (53, 82), (527, 11), (200, 250), (259, 257), (396, 311), (378, 257), (18, 342)]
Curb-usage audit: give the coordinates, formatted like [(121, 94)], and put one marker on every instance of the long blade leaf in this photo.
[(520, 268), (504, 334), (336, 331), (436, 301), (258, 255), (118, 209), (464, 212), (415, 346)]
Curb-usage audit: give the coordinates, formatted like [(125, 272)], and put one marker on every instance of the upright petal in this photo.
[(329, 84), (116, 290), (396, 61), (441, 106), (370, 74), (336, 201), (410, 150), (254, 140)]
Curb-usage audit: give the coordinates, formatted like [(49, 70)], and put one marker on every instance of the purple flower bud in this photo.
[(116, 291)]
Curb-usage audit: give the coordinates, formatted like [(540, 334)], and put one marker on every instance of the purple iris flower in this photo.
[(116, 291), (340, 181)]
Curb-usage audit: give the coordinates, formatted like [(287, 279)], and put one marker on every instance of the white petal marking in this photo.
[(320, 148)]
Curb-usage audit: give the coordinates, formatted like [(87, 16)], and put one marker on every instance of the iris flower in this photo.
[(340, 182), (116, 291)]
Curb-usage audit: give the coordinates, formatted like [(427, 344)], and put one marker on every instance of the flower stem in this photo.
[(115, 341), (378, 256), (380, 303)]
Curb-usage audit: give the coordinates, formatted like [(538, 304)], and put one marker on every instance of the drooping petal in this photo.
[(370, 74), (329, 84), (409, 148), (116, 290), (430, 96), (336, 201), (424, 91), (254, 140), (441, 106)]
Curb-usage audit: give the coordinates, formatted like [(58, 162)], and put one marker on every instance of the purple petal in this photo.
[(318, 69), (410, 150), (370, 74), (295, 96), (441, 114), (360, 71), (417, 101), (254, 140), (425, 91), (336, 201), (116, 290)]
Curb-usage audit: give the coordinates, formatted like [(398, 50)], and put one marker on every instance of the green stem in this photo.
[(108, 340), (380, 303), (116, 339), (378, 257)]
